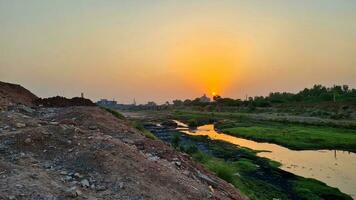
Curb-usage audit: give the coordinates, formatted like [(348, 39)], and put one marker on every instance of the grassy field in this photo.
[(292, 135), (269, 117), (298, 137)]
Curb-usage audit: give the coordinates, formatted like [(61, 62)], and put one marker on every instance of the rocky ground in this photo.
[(87, 153)]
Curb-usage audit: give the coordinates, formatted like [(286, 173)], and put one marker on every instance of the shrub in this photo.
[(193, 123), (175, 140), (138, 126), (222, 170)]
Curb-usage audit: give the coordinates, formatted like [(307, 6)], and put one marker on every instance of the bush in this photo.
[(175, 140), (191, 149), (201, 157), (223, 171), (138, 126)]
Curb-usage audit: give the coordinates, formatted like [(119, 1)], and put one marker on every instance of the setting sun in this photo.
[(207, 59)]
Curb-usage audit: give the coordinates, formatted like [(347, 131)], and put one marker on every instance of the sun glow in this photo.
[(207, 61)]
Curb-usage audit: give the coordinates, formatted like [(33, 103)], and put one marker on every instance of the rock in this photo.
[(121, 185), (178, 163), (73, 192), (128, 141), (186, 172), (206, 178), (77, 175), (92, 127), (85, 183), (26, 109), (20, 125), (153, 158), (28, 140), (211, 189), (68, 178), (53, 123), (100, 188), (11, 197), (63, 173)]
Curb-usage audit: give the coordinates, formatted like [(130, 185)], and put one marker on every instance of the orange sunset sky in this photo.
[(164, 50)]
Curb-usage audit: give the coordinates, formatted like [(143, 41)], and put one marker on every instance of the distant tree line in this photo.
[(317, 93)]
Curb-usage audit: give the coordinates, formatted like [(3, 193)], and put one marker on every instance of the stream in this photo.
[(335, 168)]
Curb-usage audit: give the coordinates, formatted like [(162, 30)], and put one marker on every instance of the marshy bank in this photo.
[(246, 169)]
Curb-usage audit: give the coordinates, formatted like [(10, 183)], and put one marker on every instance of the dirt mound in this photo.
[(12, 94), (64, 102), (87, 153)]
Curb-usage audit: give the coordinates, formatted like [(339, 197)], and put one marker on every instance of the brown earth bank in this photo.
[(11, 94), (87, 153)]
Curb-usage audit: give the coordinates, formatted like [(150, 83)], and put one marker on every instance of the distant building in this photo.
[(107, 103), (204, 99)]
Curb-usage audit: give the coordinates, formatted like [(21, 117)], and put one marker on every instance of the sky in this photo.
[(164, 50)]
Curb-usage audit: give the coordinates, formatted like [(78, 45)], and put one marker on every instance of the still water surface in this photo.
[(335, 168)]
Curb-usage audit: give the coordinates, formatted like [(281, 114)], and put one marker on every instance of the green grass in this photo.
[(271, 117), (238, 173), (149, 135), (114, 112), (298, 137), (234, 173), (139, 126)]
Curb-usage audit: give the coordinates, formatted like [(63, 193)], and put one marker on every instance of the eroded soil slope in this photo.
[(11, 94), (87, 153)]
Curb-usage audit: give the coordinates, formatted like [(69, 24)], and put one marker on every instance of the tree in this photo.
[(177, 102)]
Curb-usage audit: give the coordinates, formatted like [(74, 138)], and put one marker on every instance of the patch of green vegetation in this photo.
[(139, 126), (260, 178), (194, 119), (245, 165), (299, 137), (210, 117), (315, 190), (176, 140), (114, 112), (150, 135)]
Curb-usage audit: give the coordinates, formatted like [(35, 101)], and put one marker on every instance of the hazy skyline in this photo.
[(164, 50)]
